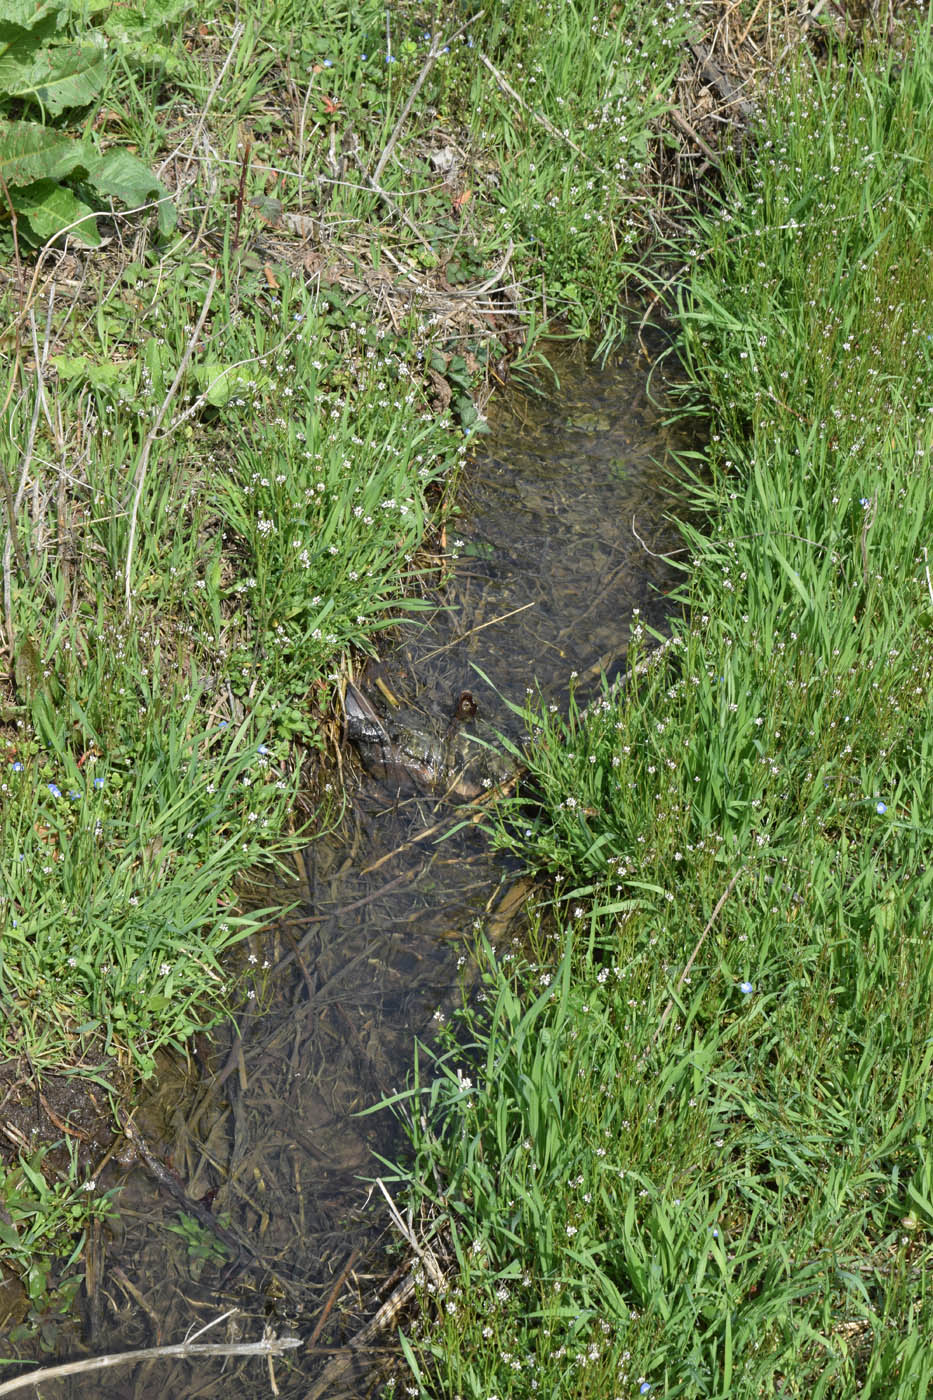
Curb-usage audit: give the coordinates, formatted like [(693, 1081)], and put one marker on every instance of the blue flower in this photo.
[(644, 1387), (881, 808), (17, 767), (98, 782), (262, 749), (328, 63), (746, 988), (864, 502), (55, 790), (73, 795)]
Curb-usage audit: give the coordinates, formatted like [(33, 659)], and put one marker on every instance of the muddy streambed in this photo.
[(563, 517)]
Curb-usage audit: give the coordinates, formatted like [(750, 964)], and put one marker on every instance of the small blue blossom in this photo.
[(746, 988), (262, 749), (644, 1387), (17, 767), (881, 808), (73, 795), (328, 63), (98, 782), (364, 57), (864, 502), (390, 58), (55, 790)]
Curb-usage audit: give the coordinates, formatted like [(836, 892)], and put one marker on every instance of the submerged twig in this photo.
[(332, 1298), (462, 638), (269, 1346), (378, 1323), (668, 554)]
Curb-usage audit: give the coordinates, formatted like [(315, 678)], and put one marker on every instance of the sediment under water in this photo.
[(564, 511)]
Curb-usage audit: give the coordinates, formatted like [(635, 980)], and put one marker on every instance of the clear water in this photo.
[(564, 508)]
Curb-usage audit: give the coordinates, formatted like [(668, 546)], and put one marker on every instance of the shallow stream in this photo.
[(563, 520)]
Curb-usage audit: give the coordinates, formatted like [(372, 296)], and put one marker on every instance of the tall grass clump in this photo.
[(682, 1145)]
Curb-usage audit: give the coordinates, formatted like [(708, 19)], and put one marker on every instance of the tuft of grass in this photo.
[(683, 1145)]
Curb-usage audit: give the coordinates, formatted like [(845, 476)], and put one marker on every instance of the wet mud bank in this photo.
[(565, 520)]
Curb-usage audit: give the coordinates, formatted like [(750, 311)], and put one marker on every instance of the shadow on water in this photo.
[(563, 522)]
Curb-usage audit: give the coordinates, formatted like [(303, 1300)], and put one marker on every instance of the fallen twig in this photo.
[(683, 125), (539, 117), (693, 956), (438, 45), (140, 474)]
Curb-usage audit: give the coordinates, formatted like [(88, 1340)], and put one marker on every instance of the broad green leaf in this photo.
[(30, 151), (65, 75), (28, 13), (103, 376), (125, 177), (50, 207), (219, 383)]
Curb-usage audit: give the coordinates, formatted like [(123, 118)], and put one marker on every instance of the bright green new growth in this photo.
[(696, 1156)]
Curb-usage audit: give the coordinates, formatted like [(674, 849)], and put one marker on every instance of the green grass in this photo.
[(695, 1153)]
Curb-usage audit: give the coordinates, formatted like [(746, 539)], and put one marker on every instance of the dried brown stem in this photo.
[(693, 956), (140, 474)]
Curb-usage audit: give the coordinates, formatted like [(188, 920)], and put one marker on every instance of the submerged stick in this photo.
[(243, 1253), (269, 1346), (462, 638), (360, 1342), (332, 1298)]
